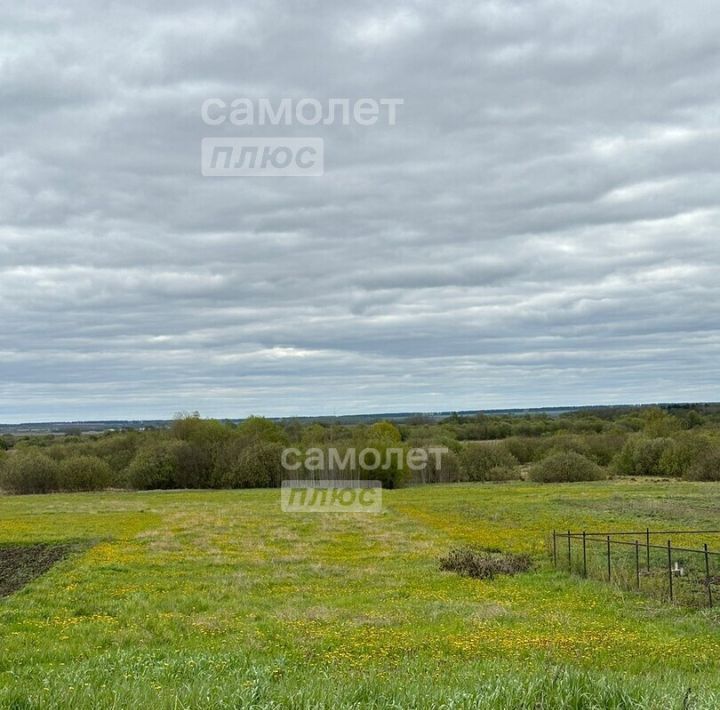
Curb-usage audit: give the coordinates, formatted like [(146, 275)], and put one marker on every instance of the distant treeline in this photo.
[(204, 453)]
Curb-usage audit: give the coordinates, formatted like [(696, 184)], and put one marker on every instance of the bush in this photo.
[(117, 450), (503, 473), (84, 473), (488, 462), (684, 451), (569, 442), (29, 472), (483, 564), (528, 449), (566, 466), (203, 437), (706, 467), (447, 471), (603, 448), (641, 456), (156, 465), (257, 465), (391, 472)]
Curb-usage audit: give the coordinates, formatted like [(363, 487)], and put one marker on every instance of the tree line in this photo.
[(205, 453)]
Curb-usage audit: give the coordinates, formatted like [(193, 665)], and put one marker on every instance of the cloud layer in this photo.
[(539, 227)]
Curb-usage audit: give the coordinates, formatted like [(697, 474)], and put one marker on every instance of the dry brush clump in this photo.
[(484, 564)]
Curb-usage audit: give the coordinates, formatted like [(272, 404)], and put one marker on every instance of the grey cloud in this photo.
[(540, 227)]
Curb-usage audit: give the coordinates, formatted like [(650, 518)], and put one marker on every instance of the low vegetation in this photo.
[(484, 564), (565, 467), (217, 599)]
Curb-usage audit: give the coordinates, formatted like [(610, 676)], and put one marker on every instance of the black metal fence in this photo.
[(680, 573)]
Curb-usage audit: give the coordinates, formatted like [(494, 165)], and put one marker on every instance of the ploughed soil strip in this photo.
[(20, 564)]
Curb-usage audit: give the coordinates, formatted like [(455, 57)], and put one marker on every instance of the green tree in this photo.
[(257, 429), (384, 431)]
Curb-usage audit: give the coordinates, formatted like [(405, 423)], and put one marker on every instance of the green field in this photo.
[(218, 599)]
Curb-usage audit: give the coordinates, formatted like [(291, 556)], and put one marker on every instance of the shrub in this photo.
[(156, 465), (706, 467), (488, 462), (503, 473), (566, 466), (600, 448), (391, 472), (380, 460), (483, 564), (603, 448), (117, 450), (84, 473), (569, 442), (641, 456), (447, 471), (29, 472), (679, 457), (257, 465), (203, 437), (528, 449)]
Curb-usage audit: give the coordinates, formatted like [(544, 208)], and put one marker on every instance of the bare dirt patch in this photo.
[(21, 564)]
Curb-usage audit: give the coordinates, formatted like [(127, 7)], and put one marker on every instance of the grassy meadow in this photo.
[(218, 599)]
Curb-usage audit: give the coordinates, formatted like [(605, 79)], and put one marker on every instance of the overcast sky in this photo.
[(540, 227)]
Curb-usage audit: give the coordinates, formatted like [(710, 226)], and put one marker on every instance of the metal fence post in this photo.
[(608, 558), (569, 554), (637, 563), (670, 572), (647, 547), (555, 548), (584, 554), (707, 575)]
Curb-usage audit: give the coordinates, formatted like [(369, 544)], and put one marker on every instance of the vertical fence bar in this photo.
[(647, 547), (637, 563), (670, 572), (608, 557), (569, 554), (707, 575), (555, 548), (584, 554)]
